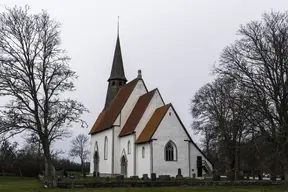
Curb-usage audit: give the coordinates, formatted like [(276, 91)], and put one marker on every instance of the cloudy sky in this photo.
[(174, 43)]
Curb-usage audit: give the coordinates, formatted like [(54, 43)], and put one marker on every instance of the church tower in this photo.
[(117, 77)]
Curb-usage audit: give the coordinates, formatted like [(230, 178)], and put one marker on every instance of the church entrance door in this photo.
[(96, 162), (124, 166)]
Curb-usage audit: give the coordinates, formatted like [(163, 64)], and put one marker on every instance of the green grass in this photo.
[(15, 184)]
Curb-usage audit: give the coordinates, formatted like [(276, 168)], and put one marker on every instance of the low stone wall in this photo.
[(165, 184)]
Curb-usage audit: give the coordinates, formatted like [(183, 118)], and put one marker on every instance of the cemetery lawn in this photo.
[(15, 184)]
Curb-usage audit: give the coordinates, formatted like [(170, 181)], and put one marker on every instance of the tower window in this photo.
[(113, 83), (120, 83)]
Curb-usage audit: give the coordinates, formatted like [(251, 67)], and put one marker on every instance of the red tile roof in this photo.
[(105, 120), (96, 124), (137, 113), (152, 124)]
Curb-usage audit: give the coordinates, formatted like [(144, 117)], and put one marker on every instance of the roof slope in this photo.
[(96, 124), (152, 124), (137, 113), (107, 119)]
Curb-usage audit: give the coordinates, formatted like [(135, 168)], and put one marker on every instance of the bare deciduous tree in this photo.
[(218, 109), (34, 74), (79, 149), (258, 60)]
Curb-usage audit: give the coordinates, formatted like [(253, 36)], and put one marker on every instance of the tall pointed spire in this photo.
[(117, 71), (117, 77)]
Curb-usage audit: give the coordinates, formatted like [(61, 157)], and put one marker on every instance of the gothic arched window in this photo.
[(106, 148), (170, 152), (143, 152), (129, 147)]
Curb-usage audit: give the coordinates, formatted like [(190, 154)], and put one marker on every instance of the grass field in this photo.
[(15, 184)]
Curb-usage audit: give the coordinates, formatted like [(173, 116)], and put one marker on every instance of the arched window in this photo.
[(129, 147), (113, 83), (106, 148), (143, 152), (170, 151)]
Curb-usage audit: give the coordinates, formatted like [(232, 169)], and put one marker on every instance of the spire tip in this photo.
[(118, 26)]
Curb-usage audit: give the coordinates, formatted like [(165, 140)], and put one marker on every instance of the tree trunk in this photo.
[(82, 166), (286, 172), (49, 168), (20, 172), (285, 167), (46, 167), (273, 170)]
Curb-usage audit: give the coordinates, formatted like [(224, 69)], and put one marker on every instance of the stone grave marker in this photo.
[(153, 177), (145, 177), (120, 179), (135, 178), (179, 174)]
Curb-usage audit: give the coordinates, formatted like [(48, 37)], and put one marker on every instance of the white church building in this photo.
[(138, 133)]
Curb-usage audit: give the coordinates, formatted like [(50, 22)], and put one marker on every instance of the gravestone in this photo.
[(153, 177), (97, 179), (241, 177), (134, 178), (61, 174), (94, 174), (120, 179), (216, 178), (273, 178), (194, 175), (179, 174), (72, 176), (59, 178), (65, 173), (145, 177), (164, 177), (98, 174), (108, 179)]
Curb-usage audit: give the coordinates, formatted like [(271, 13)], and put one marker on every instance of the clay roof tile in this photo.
[(137, 113), (152, 124), (111, 113)]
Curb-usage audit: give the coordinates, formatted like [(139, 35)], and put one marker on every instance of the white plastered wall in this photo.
[(121, 120), (170, 129), (129, 156), (155, 103), (104, 165), (143, 165)]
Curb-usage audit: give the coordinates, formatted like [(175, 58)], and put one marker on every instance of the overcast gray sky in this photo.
[(174, 43)]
